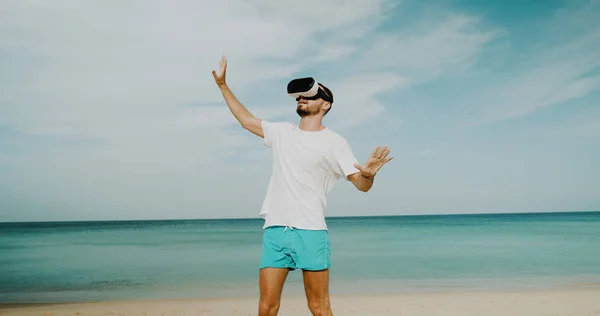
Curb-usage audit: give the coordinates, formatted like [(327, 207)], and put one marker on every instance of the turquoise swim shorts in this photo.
[(293, 248)]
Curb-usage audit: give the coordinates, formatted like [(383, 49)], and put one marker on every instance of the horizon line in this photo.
[(327, 217)]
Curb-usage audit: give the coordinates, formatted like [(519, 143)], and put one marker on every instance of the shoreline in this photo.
[(573, 301)]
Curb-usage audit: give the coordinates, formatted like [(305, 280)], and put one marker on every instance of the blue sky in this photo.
[(111, 112)]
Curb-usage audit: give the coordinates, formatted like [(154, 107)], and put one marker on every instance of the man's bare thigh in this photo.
[(271, 281), (316, 284)]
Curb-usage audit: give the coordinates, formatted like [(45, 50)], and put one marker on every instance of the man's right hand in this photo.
[(246, 119), (220, 78)]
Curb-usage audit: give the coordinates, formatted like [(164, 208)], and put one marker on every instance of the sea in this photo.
[(176, 259)]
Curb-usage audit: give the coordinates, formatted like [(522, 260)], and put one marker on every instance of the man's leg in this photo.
[(316, 286), (276, 262), (271, 282), (312, 254)]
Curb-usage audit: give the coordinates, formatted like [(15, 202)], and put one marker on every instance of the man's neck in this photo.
[(311, 123)]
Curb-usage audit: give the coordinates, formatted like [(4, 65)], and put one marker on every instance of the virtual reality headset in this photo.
[(309, 89)]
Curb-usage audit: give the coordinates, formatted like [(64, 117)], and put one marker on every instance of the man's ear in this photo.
[(326, 106)]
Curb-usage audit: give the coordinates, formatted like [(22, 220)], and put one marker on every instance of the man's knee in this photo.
[(320, 307), (268, 306)]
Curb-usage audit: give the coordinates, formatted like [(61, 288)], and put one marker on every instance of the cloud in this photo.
[(534, 89), (119, 114), (120, 80), (118, 103), (397, 59), (150, 57), (356, 96), (432, 49), (394, 60), (121, 74), (554, 71)]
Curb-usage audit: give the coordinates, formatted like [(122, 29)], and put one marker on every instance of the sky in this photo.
[(109, 111)]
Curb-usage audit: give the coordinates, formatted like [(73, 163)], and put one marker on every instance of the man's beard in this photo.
[(308, 111)]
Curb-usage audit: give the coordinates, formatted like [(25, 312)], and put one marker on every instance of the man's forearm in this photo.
[(237, 109), (364, 183)]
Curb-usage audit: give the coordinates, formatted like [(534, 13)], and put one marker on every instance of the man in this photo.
[(308, 159)]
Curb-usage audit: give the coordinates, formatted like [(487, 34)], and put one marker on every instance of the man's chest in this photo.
[(306, 154)]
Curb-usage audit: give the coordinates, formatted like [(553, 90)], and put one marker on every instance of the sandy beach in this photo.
[(584, 301)]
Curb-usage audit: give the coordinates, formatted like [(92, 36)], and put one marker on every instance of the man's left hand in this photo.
[(377, 159)]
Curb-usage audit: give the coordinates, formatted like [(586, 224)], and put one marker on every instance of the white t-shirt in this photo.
[(306, 166)]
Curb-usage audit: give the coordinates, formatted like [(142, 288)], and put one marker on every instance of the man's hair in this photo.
[(329, 94)]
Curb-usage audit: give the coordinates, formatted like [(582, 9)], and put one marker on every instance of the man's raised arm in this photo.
[(246, 119)]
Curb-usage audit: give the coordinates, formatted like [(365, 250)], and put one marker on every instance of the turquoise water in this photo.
[(84, 261)]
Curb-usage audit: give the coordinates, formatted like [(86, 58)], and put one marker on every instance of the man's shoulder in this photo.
[(283, 124), (336, 137)]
